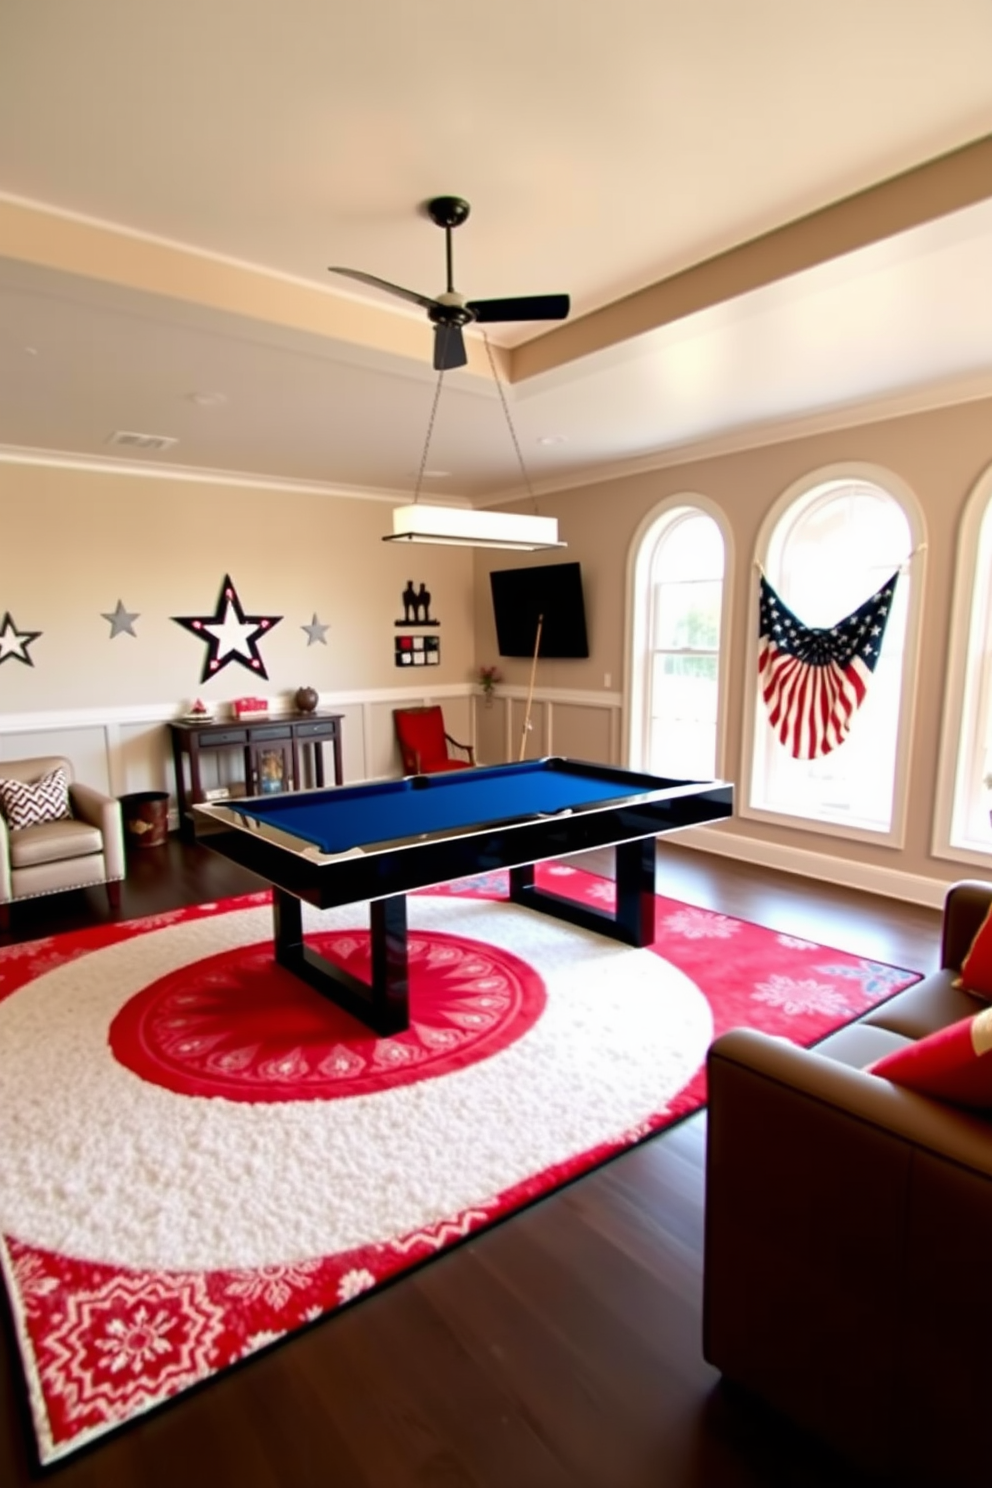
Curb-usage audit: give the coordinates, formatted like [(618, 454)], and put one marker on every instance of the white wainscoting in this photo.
[(127, 748), (566, 721), (124, 749)]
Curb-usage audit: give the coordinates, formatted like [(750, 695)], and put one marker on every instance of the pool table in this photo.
[(380, 841)]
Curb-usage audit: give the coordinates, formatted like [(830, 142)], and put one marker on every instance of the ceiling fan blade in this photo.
[(394, 289), (449, 348), (528, 307)]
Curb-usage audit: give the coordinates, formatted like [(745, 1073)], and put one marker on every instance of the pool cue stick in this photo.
[(530, 690)]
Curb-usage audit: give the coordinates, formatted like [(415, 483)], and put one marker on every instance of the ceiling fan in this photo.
[(449, 311)]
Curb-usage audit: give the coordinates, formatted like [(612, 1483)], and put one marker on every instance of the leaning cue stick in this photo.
[(530, 691)]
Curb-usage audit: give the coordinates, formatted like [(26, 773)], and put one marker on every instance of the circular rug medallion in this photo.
[(240, 1026), (106, 1165)]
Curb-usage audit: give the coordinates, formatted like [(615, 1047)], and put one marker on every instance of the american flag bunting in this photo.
[(814, 681)]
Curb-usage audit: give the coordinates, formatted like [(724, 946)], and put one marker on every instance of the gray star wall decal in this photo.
[(315, 631), (121, 620)]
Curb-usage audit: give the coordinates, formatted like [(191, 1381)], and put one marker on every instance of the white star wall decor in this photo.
[(229, 633), (14, 643)]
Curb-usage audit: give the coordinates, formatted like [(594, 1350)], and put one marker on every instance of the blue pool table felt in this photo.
[(350, 817)]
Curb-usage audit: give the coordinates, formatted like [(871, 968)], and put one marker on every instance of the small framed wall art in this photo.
[(417, 650)]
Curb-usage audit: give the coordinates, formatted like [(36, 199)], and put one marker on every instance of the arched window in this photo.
[(962, 825), (676, 617), (828, 546)]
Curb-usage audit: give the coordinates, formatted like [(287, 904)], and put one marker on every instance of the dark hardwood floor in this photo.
[(560, 1349)]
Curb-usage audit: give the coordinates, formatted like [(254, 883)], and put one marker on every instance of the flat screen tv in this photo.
[(553, 590)]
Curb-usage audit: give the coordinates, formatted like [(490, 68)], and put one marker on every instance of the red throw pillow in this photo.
[(954, 1064), (976, 968)]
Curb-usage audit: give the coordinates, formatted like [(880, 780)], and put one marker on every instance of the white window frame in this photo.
[(898, 489), (637, 637), (968, 681)]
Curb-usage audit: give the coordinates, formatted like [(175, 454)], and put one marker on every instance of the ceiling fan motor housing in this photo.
[(450, 309), (447, 211), (449, 312)]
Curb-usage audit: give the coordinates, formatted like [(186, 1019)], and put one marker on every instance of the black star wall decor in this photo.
[(229, 633), (14, 643)]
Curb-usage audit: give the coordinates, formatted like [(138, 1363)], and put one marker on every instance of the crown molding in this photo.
[(95, 464), (971, 389)]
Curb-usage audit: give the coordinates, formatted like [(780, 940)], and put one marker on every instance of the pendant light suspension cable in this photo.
[(427, 441), (509, 422), (471, 526)]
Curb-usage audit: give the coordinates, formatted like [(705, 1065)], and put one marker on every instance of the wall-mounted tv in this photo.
[(553, 590)]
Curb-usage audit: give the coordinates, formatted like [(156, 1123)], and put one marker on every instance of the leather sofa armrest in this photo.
[(841, 1216), (788, 1070), (92, 806), (965, 907), (6, 887)]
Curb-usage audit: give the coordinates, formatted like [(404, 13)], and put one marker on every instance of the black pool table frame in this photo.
[(645, 808)]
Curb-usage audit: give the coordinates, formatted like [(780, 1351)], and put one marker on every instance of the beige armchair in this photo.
[(86, 848)]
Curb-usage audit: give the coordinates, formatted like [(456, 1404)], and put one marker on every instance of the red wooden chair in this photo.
[(424, 743)]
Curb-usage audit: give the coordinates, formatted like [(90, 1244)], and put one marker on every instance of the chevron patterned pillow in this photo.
[(25, 805)]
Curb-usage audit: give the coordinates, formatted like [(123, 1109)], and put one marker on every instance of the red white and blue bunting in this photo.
[(815, 680)]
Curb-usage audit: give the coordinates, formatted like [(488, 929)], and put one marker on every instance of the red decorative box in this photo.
[(250, 707)]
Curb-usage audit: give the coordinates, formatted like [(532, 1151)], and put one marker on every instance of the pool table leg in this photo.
[(383, 1003), (633, 919)]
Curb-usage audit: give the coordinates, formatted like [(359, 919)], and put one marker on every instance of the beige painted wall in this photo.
[(74, 542), (938, 454)]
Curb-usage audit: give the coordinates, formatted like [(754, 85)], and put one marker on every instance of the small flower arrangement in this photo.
[(488, 678)]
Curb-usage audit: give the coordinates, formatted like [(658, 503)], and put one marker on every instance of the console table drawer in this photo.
[(273, 731), (326, 729), (223, 737)]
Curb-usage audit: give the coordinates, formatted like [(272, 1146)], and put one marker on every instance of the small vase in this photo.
[(488, 698), (307, 699)]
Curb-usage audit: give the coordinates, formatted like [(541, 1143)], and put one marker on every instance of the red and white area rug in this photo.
[(199, 1155)]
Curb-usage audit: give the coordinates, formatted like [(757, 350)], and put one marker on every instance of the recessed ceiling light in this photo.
[(430, 474), (207, 400), (553, 439)]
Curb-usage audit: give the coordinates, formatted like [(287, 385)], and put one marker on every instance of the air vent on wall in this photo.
[(134, 441)]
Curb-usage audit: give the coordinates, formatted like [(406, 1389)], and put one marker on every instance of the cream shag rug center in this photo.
[(199, 1155)]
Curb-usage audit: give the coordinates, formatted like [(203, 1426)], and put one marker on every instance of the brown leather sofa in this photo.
[(848, 1225)]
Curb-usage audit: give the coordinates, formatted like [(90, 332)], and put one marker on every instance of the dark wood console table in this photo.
[(273, 750)]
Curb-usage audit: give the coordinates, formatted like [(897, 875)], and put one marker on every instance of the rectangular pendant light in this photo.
[(462, 526)]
